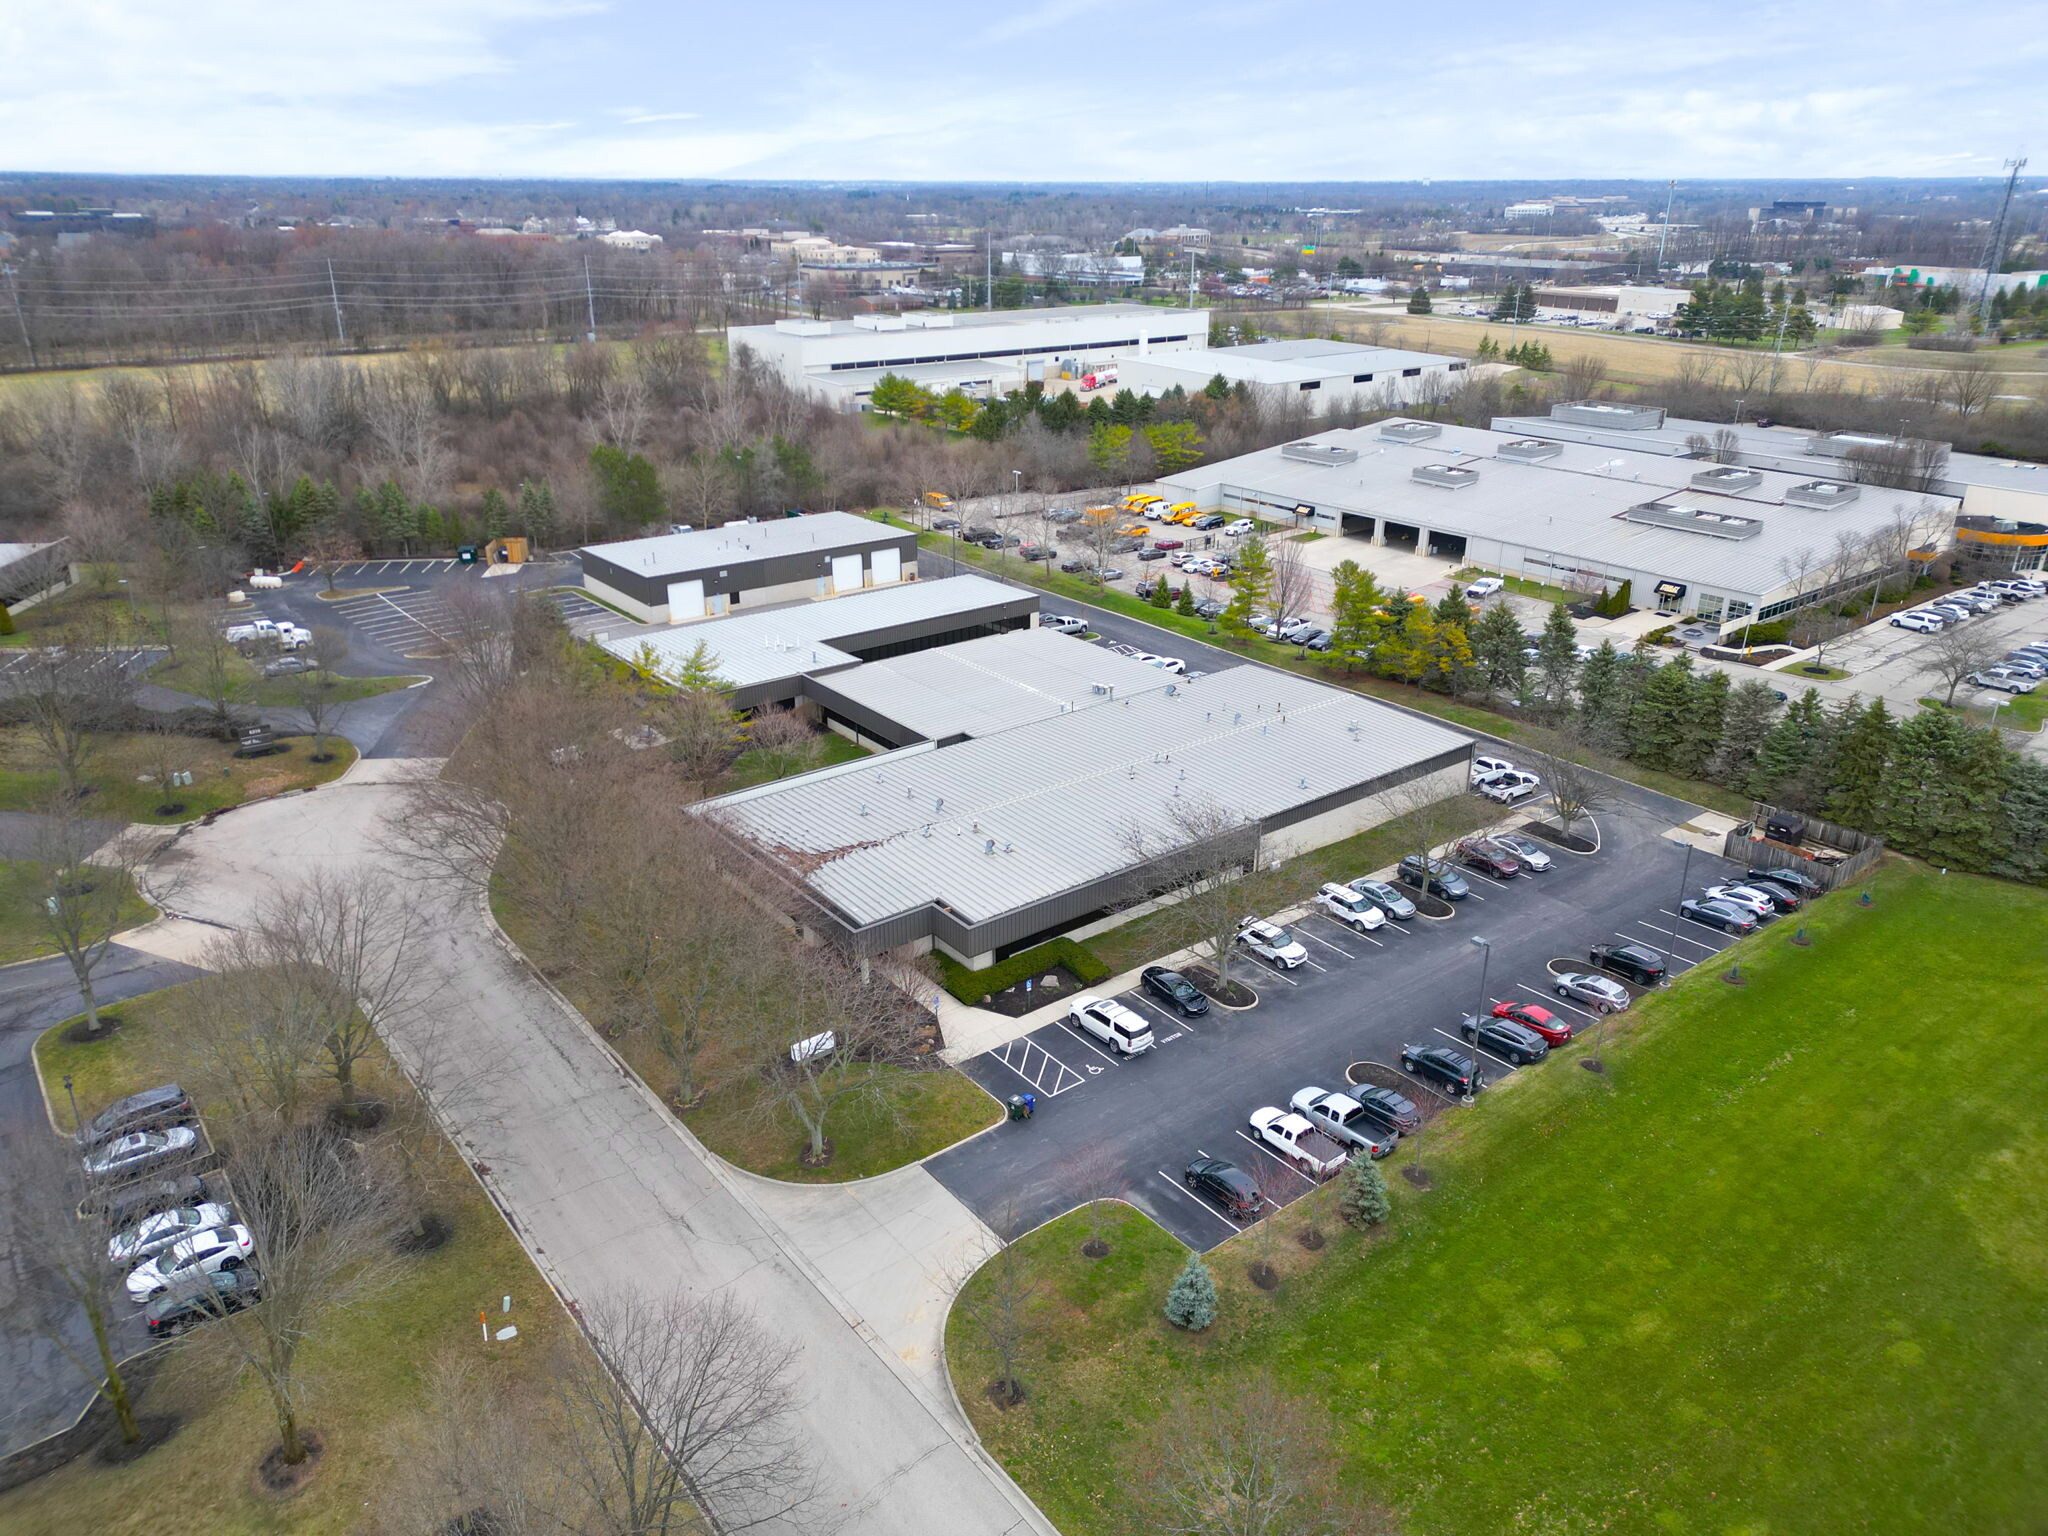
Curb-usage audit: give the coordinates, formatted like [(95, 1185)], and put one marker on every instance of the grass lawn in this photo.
[(186, 674), (750, 767), (107, 611), (365, 1366), (219, 778), (2024, 712), (1522, 586), (740, 1123), (22, 935), (1752, 1280)]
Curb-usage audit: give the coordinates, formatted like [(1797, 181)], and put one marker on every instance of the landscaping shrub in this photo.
[(1774, 633), (1191, 1299), (973, 986)]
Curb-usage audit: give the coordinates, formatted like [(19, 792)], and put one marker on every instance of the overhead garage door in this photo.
[(888, 566), (686, 600), (846, 573)]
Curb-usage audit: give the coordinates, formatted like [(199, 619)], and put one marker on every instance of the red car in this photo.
[(1554, 1030), (1169, 544)]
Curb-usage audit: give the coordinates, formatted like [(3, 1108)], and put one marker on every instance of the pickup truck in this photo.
[(1342, 1119), (1292, 1137)]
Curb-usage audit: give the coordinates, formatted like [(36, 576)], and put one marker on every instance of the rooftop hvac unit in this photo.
[(880, 323), (1409, 431), (1825, 494), (1837, 445), (1529, 450), (1610, 414), (1450, 476), (1727, 477), (1319, 453)]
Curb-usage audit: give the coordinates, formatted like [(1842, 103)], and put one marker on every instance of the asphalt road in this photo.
[(1130, 1125), (44, 1389)]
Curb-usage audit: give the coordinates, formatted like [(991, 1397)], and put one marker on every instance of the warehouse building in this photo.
[(1723, 543), (767, 657), (1330, 373), (985, 354), (707, 572), (987, 846)]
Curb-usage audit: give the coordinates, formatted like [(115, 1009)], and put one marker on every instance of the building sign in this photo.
[(1671, 589)]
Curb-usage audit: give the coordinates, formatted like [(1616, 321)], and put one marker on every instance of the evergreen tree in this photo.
[(393, 516), (1497, 645), (1788, 751), (536, 510), (1657, 713), (323, 505), (496, 513), (1356, 620), (2024, 837), (1865, 739), (254, 529), (1557, 654), (1452, 608), (1251, 583), (1161, 595), (1418, 301), (1363, 1201), (1191, 1299), (1488, 349), (1751, 709), (1184, 605), (1218, 388), (1606, 692), (628, 490), (1948, 781), (1699, 729)]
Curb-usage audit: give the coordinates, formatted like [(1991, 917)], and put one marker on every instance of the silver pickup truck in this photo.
[(1341, 1118)]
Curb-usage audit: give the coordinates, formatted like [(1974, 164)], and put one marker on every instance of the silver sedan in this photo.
[(1599, 993)]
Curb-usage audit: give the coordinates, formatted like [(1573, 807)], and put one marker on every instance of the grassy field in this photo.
[(219, 778), (186, 674), (366, 1367), (22, 935), (751, 767), (1780, 1270)]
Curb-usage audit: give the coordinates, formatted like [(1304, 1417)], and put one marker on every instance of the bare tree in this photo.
[(1428, 818), (57, 1263), (168, 757), (70, 696), (222, 675), (998, 1301), (682, 1421), (782, 740), (622, 409), (328, 551), (1950, 656), (1205, 864), (1565, 761), (318, 692), (323, 1222), (246, 1038), (1248, 1460), (1906, 464), (1971, 385), (85, 880), (98, 538), (473, 1459), (1292, 583)]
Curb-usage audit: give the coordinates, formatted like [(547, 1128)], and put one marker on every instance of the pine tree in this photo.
[(1418, 301), (1656, 714), (536, 510), (1497, 646), (1788, 750), (1607, 686), (395, 520), (1948, 780), (1699, 730), (2024, 855), (1865, 739), (1191, 1299), (1356, 620), (1746, 720), (1363, 1201), (1251, 582), (496, 514), (1452, 608), (1557, 654), (1161, 595), (253, 527), (1184, 605)]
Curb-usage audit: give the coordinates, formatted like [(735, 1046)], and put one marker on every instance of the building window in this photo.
[(1456, 368), (1361, 378), (1710, 605), (1313, 384), (1738, 609), (1409, 373)]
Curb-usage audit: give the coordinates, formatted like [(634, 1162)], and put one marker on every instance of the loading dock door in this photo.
[(846, 573), (686, 600), (888, 566)]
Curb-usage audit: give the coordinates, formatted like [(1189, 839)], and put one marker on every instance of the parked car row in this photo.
[(1316, 1134), (1501, 781), (1971, 602)]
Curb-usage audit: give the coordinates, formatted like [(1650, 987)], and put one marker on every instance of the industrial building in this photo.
[(1332, 373), (991, 844), (1620, 299), (706, 572), (767, 657), (984, 354), (1724, 543)]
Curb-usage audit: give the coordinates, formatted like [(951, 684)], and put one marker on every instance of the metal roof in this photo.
[(1290, 362), (790, 641), (1573, 504), (987, 826), (707, 548), (981, 686)]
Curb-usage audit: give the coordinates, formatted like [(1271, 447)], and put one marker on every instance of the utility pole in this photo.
[(1994, 248), (988, 269), (1664, 237), (1191, 277), (334, 292), (21, 317), (589, 301)]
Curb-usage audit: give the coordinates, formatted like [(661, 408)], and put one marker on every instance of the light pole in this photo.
[(1678, 906), (71, 1094), (1736, 419), (1478, 1013)]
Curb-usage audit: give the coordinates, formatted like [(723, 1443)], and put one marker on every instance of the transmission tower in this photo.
[(1994, 247)]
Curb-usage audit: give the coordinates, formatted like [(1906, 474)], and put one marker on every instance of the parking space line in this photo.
[(1473, 874), (1477, 1049), (1050, 1067), (1683, 938), (1151, 1007), (1326, 943), (1081, 1036), (1270, 1157), (1709, 927), (1182, 1189), (1280, 975)]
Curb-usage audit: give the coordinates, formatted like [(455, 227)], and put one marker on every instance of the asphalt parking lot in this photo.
[(588, 619), (363, 570), (1109, 1125)]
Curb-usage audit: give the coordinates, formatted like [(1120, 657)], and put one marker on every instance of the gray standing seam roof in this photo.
[(704, 548), (990, 825)]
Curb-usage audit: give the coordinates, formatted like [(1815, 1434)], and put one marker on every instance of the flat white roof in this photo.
[(971, 319), (783, 642), (704, 548), (981, 686), (1294, 362)]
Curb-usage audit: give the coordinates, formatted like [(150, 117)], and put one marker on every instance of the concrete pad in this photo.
[(173, 938), (1707, 831)]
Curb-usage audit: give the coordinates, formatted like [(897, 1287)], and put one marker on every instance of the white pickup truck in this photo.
[(1342, 1119), (1292, 1137)]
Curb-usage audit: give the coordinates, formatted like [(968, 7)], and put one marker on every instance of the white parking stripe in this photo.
[(1473, 874), (1130, 998), (1709, 927), (1082, 1038), (1037, 1070), (1182, 1189), (1325, 942), (1270, 1157)]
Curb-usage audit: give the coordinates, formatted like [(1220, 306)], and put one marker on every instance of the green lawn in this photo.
[(1522, 586), (365, 1369), (219, 778), (251, 687), (1781, 1270), (750, 767), (107, 610), (22, 935), (2021, 712)]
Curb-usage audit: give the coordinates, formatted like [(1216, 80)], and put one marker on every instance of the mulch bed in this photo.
[(1426, 904), (1034, 992), (1234, 995), (1418, 1175), (1311, 1238), (423, 1236), (1550, 832), (1006, 1394), (279, 1478), (1095, 1248), (78, 1034), (156, 1428), (1264, 1276)]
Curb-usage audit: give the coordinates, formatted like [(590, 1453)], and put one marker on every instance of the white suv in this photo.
[(1271, 943), (1122, 1029), (1344, 905)]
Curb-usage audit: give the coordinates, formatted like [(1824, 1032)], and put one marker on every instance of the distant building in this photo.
[(705, 573), (1077, 266), (1529, 210), (1331, 373), (84, 221), (630, 240), (1660, 303)]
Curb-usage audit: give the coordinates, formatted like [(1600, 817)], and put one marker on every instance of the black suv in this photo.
[(137, 1112), (1631, 962), (1513, 1043), (1386, 1108), (1228, 1185), (1174, 989), (1794, 880), (1442, 1068), (1433, 876), (225, 1290)]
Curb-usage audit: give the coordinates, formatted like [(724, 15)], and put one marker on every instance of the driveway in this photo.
[(606, 1189), (44, 1389)]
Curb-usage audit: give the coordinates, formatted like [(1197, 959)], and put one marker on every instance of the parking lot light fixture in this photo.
[(72, 1094), (1485, 947)]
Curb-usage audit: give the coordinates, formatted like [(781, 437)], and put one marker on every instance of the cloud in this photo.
[(663, 117)]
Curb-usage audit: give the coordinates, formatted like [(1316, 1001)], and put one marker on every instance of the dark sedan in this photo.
[(1226, 1185), (1433, 876), (1631, 962), (1792, 879), (1174, 989), (1489, 860), (1513, 1043)]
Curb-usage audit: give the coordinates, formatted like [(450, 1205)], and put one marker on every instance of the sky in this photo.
[(1036, 90)]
